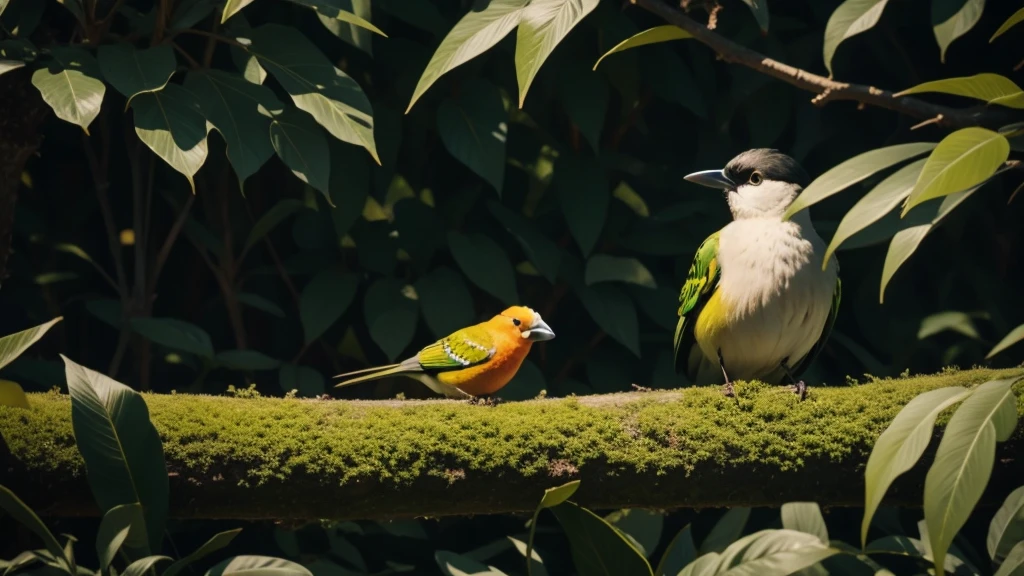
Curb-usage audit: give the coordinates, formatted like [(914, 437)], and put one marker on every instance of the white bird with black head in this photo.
[(757, 303)]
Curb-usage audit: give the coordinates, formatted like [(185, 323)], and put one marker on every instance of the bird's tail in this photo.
[(377, 372)]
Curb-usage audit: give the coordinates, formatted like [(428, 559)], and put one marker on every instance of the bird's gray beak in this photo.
[(712, 179), (539, 331)]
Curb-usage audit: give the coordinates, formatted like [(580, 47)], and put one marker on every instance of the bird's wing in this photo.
[(460, 349), (700, 282), (826, 331)]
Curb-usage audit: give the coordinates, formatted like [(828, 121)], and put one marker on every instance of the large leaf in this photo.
[(726, 531), (614, 312), (324, 299), (71, 85), (258, 566), (232, 7), (172, 125), (485, 264), (760, 10), (342, 11), (649, 36), (452, 564), (584, 195), (390, 315), (952, 19), (350, 185), (964, 159), (175, 334), (1015, 335), (217, 542), (605, 268), (773, 553), (543, 24), (880, 201), (335, 100), (641, 528), (124, 459), (992, 88), (585, 97), (963, 461), (1014, 19), (14, 345), (953, 320), (854, 170), (445, 301), (901, 445), (143, 565), (1014, 563), (474, 127), (544, 253), (302, 146), (473, 35), (238, 109), (132, 71), (804, 517), (1007, 526), (117, 525), (598, 549), (851, 18), (21, 513), (12, 394), (271, 218), (552, 497), (680, 553)]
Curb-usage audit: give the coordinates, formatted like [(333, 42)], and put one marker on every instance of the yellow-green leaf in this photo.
[(649, 36), (849, 19), (302, 146), (13, 345), (71, 85), (340, 10), (631, 198), (11, 394), (1015, 335), (954, 321), (132, 71), (804, 517), (8, 65), (172, 125), (992, 88), (232, 7), (1016, 18), (544, 23), (952, 19), (964, 159), (1007, 526)]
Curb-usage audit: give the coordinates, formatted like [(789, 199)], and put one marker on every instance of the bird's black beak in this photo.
[(539, 331), (712, 179)]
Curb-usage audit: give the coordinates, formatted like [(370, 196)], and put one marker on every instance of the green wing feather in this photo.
[(825, 333), (700, 282), (460, 349)]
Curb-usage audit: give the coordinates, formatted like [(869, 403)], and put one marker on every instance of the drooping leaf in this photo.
[(473, 35), (117, 525), (452, 564), (124, 458), (14, 345), (962, 160), (1014, 563), (172, 125), (307, 381), (641, 528), (271, 218), (143, 565), (342, 11), (598, 548), (1007, 526), (952, 19), (804, 517), (585, 97), (649, 36), (232, 7), (614, 312), (233, 105), (21, 513), (760, 10), (854, 170), (543, 24), (726, 531), (188, 13), (963, 461), (542, 252), (605, 268), (1015, 335), (445, 301), (258, 566), (175, 334), (953, 320), (680, 553), (552, 497), (217, 542), (1014, 19), (324, 299), (992, 88), (391, 316), (71, 85), (132, 71), (584, 195), (335, 100), (485, 264), (851, 18), (246, 360), (473, 129), (773, 553), (302, 146)]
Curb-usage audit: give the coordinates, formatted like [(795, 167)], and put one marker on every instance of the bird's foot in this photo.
[(485, 401), (800, 389)]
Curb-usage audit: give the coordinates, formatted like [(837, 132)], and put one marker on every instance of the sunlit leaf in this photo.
[(964, 159), (71, 85), (175, 334), (258, 566), (956, 321), (324, 299), (1015, 335), (992, 88), (598, 548), (773, 553), (172, 125), (629, 197), (963, 461), (605, 268), (445, 301), (952, 19), (483, 261), (132, 71), (302, 146), (760, 10), (1014, 19), (804, 517), (391, 316), (246, 360), (543, 24), (232, 7), (680, 553), (1014, 563), (8, 65), (649, 36), (14, 345), (342, 11), (473, 129), (452, 564), (726, 531), (852, 17), (1007, 526), (217, 542)]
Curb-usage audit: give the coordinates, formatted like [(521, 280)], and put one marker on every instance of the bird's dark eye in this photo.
[(516, 321), (756, 178)]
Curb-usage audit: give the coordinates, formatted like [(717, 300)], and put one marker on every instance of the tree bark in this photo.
[(688, 448)]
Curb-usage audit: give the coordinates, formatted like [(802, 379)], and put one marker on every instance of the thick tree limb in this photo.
[(305, 459), (827, 89)]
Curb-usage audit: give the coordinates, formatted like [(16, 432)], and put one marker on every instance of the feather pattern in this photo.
[(700, 282)]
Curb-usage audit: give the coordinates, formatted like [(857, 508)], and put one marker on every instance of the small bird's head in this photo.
[(758, 183), (528, 322)]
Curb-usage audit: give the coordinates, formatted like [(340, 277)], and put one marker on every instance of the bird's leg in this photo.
[(727, 389), (799, 387)]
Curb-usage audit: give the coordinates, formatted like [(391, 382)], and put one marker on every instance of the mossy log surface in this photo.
[(303, 459)]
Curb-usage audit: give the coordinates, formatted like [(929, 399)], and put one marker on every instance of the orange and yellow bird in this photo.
[(470, 362)]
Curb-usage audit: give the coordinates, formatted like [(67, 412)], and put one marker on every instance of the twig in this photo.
[(827, 89), (192, 61), (935, 120), (165, 249)]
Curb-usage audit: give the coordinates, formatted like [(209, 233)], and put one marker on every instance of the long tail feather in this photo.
[(365, 370)]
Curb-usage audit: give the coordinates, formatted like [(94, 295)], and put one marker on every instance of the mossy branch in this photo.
[(305, 459)]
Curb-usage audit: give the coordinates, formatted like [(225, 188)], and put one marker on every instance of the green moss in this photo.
[(250, 441)]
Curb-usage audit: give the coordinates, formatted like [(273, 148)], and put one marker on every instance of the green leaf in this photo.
[(598, 548), (876, 204), (217, 542), (260, 303), (485, 264), (851, 18), (585, 98), (552, 497), (246, 360), (335, 100), (452, 564), (614, 312), (854, 170), (271, 218), (342, 11), (544, 253), (625, 193), (14, 345), (71, 86), (240, 111), (124, 459), (118, 523), (1014, 563), (258, 566), (12, 394), (649, 36), (391, 316), (188, 13), (131, 71), (1014, 19), (760, 11), (143, 565), (542, 25), (992, 88), (1007, 526), (232, 7), (473, 35), (726, 531), (175, 334), (956, 321), (805, 517), (773, 553), (350, 185), (473, 129), (307, 381), (302, 146), (582, 188), (962, 160), (952, 19), (248, 65), (641, 528), (21, 513), (1015, 335), (172, 125), (680, 553), (963, 461), (445, 301), (324, 299), (604, 268), (8, 65)]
